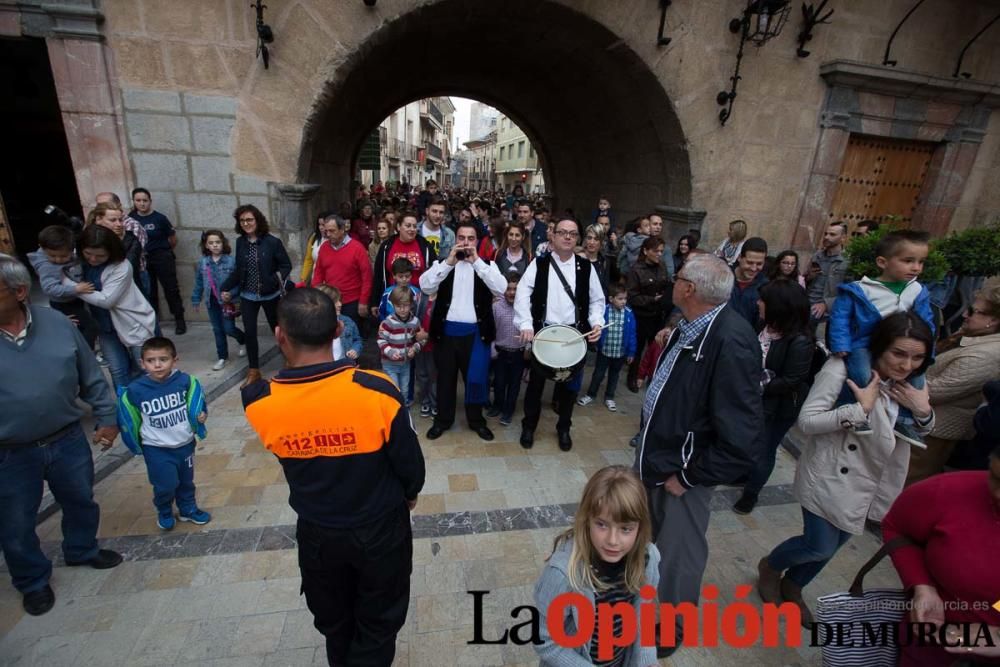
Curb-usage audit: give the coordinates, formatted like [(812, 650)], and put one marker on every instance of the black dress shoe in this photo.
[(565, 442), (38, 602), (180, 327), (527, 438), (484, 433), (633, 386), (435, 432), (104, 560)]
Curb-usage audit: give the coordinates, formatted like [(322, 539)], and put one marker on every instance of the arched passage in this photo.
[(600, 119)]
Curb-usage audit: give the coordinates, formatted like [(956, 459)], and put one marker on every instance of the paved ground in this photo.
[(228, 593)]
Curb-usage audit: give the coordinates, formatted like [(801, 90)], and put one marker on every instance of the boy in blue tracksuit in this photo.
[(615, 348), (862, 304), (159, 415)]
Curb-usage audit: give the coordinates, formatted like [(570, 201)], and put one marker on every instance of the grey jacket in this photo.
[(51, 276), (824, 287), (845, 476), (554, 581)]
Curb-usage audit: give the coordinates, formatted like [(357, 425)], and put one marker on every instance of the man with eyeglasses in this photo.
[(560, 288)]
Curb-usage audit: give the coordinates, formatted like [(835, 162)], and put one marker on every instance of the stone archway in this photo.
[(591, 106)]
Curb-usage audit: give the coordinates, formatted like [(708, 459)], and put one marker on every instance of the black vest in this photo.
[(482, 303), (540, 293)]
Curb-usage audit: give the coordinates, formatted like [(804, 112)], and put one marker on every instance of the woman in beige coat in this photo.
[(956, 383), (852, 465)]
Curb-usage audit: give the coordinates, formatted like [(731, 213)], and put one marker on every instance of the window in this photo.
[(520, 149), (510, 150), (531, 151), (501, 152)]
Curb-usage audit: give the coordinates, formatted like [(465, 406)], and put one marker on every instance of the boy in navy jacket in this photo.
[(615, 348), (159, 415)]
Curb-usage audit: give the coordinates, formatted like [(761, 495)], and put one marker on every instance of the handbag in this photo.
[(230, 310), (882, 608)]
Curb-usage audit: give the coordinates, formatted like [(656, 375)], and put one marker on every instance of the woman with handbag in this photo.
[(787, 346), (262, 266), (214, 267), (952, 524), (852, 465)]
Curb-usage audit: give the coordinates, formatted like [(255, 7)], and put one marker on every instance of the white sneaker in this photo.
[(243, 352), (611, 405), (219, 365), (585, 400)]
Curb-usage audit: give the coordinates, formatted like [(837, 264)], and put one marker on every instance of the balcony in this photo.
[(433, 152), (397, 149), (430, 113)]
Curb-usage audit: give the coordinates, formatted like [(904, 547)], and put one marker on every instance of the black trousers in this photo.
[(562, 394), (357, 586), (451, 355), (78, 310), (249, 310), (162, 268)]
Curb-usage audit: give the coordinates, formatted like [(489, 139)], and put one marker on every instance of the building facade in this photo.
[(517, 160), (173, 96), (480, 171)]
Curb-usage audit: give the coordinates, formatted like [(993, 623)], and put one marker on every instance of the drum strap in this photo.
[(562, 279)]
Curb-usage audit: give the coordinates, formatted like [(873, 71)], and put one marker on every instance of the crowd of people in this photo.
[(733, 348)]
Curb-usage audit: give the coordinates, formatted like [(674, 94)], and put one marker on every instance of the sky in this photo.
[(462, 109)]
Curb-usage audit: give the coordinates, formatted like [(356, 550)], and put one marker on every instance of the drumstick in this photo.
[(574, 339), (571, 340)]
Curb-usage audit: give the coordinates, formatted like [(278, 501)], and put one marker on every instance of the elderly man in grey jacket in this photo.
[(46, 366)]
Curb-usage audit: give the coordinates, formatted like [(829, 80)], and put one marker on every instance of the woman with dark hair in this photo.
[(649, 297), (787, 347), (949, 566), (161, 264), (514, 254), (852, 465), (684, 246), (125, 317), (406, 243), (492, 240), (786, 266), (262, 266)]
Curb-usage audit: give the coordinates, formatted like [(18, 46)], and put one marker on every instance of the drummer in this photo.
[(568, 292), (462, 328)]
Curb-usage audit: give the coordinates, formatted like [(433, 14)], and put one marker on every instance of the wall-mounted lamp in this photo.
[(264, 33), (761, 22), (811, 17)]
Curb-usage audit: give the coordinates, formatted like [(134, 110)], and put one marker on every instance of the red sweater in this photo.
[(956, 526), (348, 269)]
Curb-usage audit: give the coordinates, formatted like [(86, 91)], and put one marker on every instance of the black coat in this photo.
[(272, 259), (133, 253), (707, 418), (791, 360), (643, 282)]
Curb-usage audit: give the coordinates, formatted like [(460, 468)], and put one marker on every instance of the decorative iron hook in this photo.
[(660, 39), (812, 18), (961, 56), (888, 46)]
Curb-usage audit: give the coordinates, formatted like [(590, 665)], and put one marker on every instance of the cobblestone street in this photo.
[(228, 593)]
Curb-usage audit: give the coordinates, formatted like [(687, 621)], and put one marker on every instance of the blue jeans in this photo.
[(774, 432), (611, 366), (859, 370), (123, 362), (806, 555), (67, 465), (507, 371), (171, 472), (399, 371), (222, 327)]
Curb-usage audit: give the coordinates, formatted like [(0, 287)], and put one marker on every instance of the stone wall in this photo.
[(756, 167), (180, 147)]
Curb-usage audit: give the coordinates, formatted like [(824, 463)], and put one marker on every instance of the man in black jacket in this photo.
[(701, 420)]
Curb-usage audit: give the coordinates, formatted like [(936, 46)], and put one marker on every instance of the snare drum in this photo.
[(559, 354)]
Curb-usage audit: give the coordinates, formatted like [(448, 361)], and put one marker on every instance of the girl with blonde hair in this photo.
[(607, 555)]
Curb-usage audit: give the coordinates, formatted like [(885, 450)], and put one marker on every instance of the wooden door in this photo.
[(880, 178)]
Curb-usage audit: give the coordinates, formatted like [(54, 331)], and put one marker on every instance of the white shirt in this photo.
[(338, 349), (462, 308), (560, 309)]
